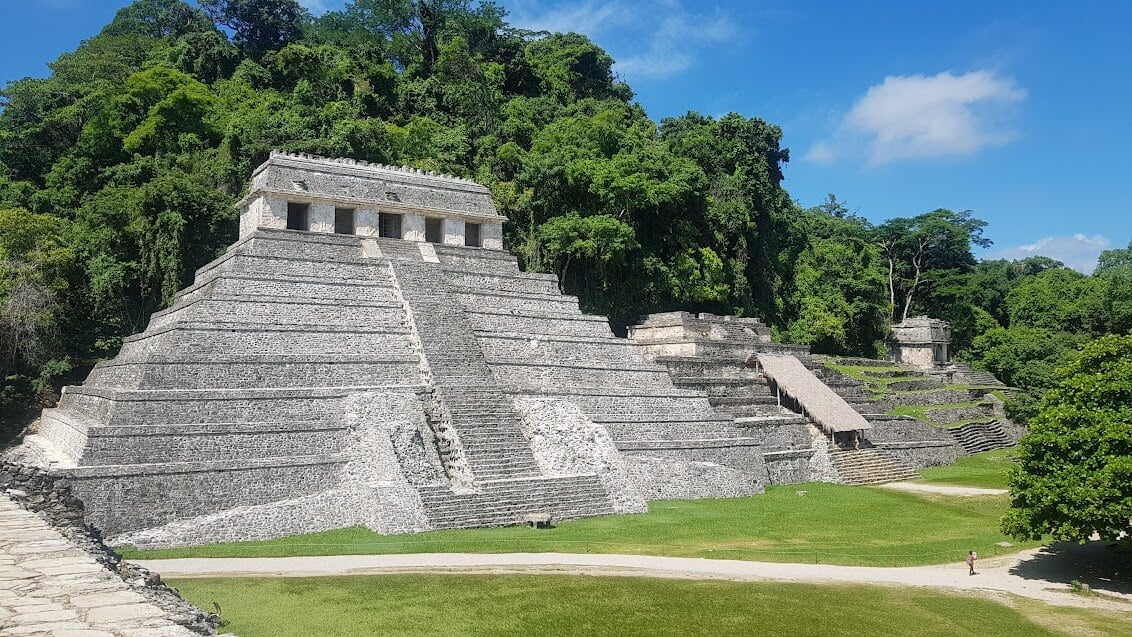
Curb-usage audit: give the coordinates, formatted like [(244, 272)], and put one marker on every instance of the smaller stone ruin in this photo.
[(920, 342)]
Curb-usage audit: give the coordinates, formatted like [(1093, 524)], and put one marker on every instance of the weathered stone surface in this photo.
[(566, 442), (70, 593)]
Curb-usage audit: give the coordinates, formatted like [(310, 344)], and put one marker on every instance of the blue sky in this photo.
[(1018, 111)]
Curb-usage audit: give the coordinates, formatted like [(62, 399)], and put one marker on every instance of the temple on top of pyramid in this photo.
[(344, 196)]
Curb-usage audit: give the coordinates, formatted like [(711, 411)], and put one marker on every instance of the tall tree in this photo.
[(1115, 268), (1074, 472), (924, 250), (835, 301)]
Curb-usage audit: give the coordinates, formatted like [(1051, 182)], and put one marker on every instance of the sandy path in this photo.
[(1039, 574), (942, 489)]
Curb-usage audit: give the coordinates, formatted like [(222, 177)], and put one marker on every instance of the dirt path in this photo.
[(942, 489), (1040, 574)]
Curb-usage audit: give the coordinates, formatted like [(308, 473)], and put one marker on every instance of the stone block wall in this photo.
[(42, 491), (120, 500)]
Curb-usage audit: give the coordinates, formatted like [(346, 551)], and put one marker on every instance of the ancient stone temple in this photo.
[(920, 342), (367, 354)]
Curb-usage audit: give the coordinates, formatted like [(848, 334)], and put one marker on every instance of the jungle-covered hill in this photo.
[(118, 175)]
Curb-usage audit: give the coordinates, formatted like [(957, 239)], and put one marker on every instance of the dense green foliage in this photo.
[(1075, 465), (118, 175), (416, 605)]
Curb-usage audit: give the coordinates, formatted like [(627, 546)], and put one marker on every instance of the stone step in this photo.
[(727, 401), (869, 466), (507, 502), (978, 437)]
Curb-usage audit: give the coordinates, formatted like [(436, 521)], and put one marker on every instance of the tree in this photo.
[(1023, 356), (1074, 472), (922, 251), (745, 215), (1115, 268), (1060, 299), (587, 253), (259, 25), (159, 19), (34, 258), (835, 302)]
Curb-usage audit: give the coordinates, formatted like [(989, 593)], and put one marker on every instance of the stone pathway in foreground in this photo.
[(48, 586)]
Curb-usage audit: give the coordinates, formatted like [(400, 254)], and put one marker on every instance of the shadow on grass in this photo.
[(1096, 564)]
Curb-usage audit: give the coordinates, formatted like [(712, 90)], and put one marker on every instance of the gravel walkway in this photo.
[(942, 489), (1040, 574)]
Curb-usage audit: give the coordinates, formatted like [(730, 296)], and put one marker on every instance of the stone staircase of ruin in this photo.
[(539, 344), (869, 465), (475, 404), (981, 436), (507, 502), (973, 437)]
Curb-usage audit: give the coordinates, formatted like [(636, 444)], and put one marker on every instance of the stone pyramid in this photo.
[(368, 354)]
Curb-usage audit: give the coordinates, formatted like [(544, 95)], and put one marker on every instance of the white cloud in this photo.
[(668, 51), (1079, 251), (916, 116), (589, 17), (821, 153), (661, 35)]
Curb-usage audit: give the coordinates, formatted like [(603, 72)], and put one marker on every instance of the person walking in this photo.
[(971, 563)]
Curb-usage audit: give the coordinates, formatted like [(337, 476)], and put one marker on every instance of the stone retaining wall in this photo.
[(946, 416)]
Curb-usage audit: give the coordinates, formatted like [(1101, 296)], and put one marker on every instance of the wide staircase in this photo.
[(504, 502), (869, 466), (972, 437), (981, 436), (483, 419), (508, 483)]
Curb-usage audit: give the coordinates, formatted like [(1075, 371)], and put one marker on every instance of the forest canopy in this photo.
[(119, 172)]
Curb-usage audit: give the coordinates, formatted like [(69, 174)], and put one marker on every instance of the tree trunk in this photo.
[(917, 260)]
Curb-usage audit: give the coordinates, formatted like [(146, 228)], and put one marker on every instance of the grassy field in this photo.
[(831, 524), (564, 605), (987, 469)]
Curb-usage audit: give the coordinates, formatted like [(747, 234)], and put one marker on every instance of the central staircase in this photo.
[(508, 484), (869, 466)]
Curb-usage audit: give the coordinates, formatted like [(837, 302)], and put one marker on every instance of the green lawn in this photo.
[(987, 469), (832, 524), (564, 605)]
